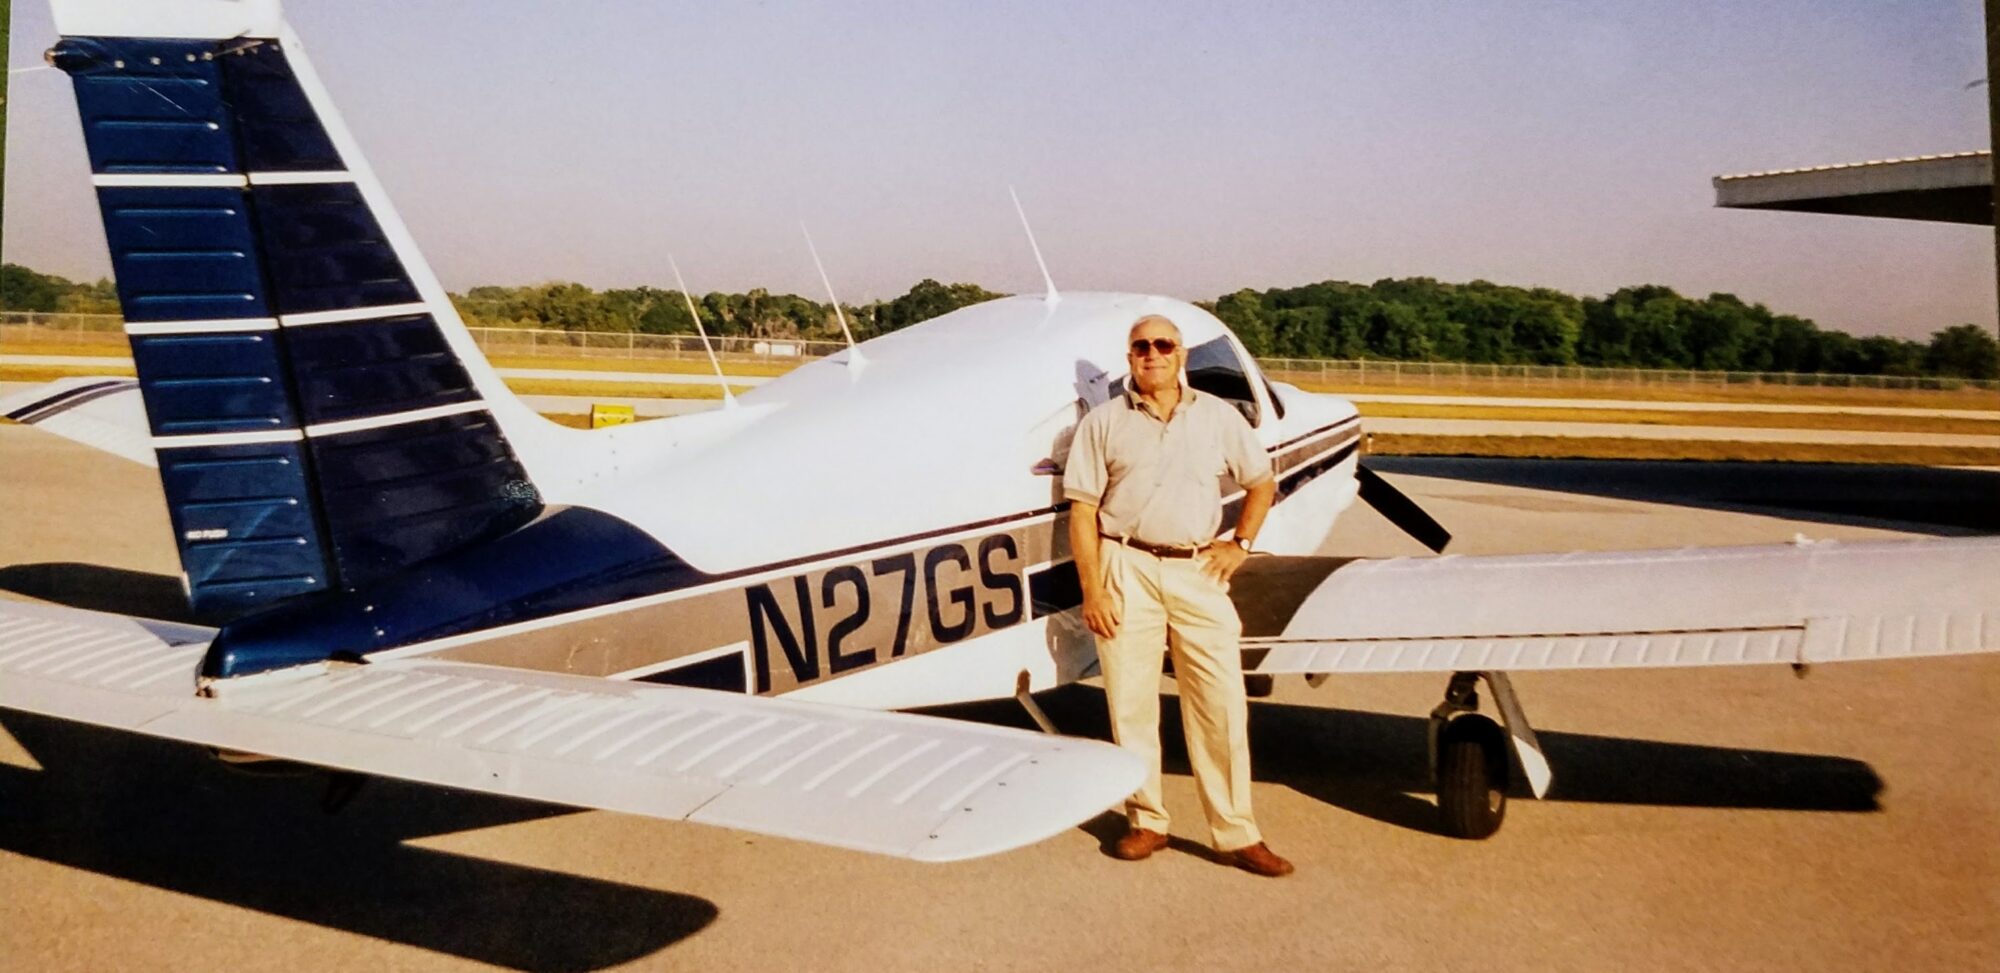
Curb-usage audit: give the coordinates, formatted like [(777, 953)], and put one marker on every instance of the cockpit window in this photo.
[(1213, 367)]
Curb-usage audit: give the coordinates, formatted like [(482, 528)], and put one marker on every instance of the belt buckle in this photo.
[(1168, 550)]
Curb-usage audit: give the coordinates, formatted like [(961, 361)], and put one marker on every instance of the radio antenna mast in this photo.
[(728, 397), (1051, 297), (855, 361)]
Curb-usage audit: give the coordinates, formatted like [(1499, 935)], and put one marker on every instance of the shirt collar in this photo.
[(1188, 395)]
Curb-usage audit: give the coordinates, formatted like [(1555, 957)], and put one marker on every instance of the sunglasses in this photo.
[(1161, 346)]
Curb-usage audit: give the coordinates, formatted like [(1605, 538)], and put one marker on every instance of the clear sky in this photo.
[(1176, 148)]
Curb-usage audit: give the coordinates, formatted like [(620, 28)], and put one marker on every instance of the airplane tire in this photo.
[(1472, 777)]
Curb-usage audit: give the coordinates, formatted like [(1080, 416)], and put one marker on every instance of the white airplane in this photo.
[(423, 579)]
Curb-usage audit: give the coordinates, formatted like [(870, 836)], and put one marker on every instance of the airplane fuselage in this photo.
[(888, 536)]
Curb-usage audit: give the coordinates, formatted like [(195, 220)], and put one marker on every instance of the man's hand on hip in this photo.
[(1100, 612), (1219, 560)]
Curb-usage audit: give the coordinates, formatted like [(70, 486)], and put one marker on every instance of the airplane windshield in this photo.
[(1213, 367)]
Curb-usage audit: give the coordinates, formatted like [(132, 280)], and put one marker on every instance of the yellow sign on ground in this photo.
[(602, 415)]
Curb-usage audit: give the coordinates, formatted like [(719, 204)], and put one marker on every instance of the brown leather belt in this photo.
[(1157, 550)]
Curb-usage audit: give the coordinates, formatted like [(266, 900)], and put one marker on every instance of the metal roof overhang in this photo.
[(1955, 188)]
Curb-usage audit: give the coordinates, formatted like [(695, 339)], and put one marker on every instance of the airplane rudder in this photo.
[(316, 405)]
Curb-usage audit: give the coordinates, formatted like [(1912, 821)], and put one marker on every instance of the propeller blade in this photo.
[(1401, 510)]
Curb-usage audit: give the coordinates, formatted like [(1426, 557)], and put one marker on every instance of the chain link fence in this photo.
[(53, 334), (538, 342), (31, 333)]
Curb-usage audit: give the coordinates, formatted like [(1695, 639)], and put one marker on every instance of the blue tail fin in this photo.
[(320, 414)]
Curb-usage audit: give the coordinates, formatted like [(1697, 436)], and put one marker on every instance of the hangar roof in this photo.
[(1955, 187)]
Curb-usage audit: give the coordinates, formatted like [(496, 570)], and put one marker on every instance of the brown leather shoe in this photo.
[(1137, 844), (1258, 859)]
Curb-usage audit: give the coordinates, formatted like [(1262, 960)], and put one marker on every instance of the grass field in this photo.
[(664, 366), (619, 390), (1579, 447), (97, 349), (1663, 417), (49, 373)]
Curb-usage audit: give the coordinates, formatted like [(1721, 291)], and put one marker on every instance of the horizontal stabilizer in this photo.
[(1792, 603), (909, 786), (102, 412)]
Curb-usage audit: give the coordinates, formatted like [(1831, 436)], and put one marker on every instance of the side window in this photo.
[(1213, 367)]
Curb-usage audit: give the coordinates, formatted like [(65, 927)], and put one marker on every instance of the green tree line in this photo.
[(755, 314), (1408, 319), (22, 289), (1647, 326)]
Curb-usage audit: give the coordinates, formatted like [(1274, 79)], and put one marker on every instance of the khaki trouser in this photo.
[(1168, 602)]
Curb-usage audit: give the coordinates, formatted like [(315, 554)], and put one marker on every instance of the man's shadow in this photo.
[(167, 815), (1377, 765)]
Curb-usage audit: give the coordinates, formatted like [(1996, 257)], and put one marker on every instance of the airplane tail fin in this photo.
[(320, 413)]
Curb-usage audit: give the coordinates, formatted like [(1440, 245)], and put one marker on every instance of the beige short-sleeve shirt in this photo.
[(1160, 482)]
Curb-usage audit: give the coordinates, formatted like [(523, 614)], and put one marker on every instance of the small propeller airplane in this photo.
[(714, 617)]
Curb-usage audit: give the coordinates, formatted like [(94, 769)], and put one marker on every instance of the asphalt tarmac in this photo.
[(1701, 819)]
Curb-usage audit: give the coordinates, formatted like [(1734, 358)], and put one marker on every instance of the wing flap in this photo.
[(1627, 651), (1808, 602), (100, 669), (910, 786)]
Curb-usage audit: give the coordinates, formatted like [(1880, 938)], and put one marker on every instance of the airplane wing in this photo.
[(1809, 602), (103, 412), (916, 787)]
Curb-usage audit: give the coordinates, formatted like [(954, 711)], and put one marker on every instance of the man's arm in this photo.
[(1257, 500), (1246, 460), (1099, 612), (1221, 559)]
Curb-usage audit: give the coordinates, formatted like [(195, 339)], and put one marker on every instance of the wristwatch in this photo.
[(1242, 542)]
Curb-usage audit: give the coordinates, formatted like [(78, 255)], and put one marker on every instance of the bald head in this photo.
[(1153, 326)]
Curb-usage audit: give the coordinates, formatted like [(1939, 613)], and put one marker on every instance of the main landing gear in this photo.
[(1473, 756)]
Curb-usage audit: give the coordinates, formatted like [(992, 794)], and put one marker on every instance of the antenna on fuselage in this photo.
[(1051, 297), (728, 397), (855, 361)]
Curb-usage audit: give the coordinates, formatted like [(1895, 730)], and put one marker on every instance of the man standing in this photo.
[(1143, 481)]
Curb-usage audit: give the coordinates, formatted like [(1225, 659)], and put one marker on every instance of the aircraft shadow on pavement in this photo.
[(96, 588), (1922, 499), (166, 815), (1376, 764)]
